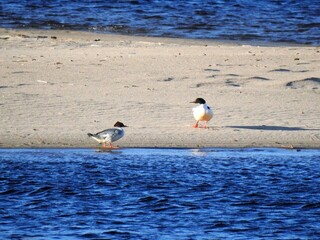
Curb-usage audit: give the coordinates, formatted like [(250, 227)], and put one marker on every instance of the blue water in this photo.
[(296, 21), (159, 194)]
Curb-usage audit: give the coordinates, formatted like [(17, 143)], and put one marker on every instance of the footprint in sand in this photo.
[(166, 79), (307, 83), (259, 78), (280, 70), (232, 83)]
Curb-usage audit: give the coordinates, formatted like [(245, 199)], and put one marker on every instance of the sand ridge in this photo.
[(56, 86)]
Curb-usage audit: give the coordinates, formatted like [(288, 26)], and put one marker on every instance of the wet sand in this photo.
[(56, 86)]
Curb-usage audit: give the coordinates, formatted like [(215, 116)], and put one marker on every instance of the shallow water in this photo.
[(159, 194), (295, 21)]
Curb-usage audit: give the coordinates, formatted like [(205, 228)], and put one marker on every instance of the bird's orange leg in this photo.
[(196, 125), (205, 124)]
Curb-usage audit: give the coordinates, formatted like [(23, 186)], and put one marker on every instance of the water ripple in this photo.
[(270, 21), (159, 194)]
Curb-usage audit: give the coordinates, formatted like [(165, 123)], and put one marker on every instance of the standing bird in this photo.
[(201, 112), (109, 135)]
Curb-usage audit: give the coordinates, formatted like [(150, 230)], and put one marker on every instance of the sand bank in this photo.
[(56, 86)]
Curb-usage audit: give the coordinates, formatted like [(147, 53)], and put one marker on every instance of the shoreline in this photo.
[(289, 148), (57, 85), (92, 35)]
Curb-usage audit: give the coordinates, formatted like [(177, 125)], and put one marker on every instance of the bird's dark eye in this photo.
[(208, 107)]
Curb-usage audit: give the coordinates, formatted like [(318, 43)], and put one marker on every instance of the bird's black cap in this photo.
[(199, 100)]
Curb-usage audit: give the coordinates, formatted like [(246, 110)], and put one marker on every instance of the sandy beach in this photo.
[(56, 86)]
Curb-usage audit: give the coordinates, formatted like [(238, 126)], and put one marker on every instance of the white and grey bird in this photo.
[(110, 135), (202, 112)]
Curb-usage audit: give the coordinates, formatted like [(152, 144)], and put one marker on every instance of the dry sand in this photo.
[(56, 86)]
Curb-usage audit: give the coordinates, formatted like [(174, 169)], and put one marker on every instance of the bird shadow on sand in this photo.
[(272, 128)]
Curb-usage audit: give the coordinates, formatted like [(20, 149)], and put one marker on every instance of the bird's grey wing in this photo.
[(109, 134), (119, 133)]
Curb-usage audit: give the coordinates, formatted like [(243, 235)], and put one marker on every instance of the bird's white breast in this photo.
[(202, 113)]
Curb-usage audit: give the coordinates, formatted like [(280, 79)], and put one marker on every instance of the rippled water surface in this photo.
[(159, 194), (246, 20)]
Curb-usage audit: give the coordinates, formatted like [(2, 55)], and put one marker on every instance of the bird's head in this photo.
[(199, 100), (119, 124)]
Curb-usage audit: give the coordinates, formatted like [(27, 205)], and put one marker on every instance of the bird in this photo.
[(202, 112), (110, 135)]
